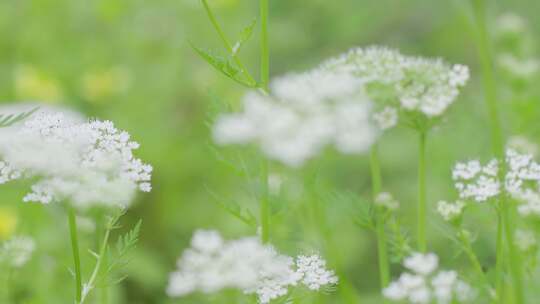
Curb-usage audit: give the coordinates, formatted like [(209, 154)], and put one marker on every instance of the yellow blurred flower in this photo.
[(32, 84), (100, 85), (8, 223)]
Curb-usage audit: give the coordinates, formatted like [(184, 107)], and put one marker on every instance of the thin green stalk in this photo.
[(513, 255), (467, 248), (9, 291), (75, 250), (265, 77), (499, 263), (226, 42), (100, 260), (376, 181), (101, 230), (490, 95), (488, 77), (265, 204), (265, 50), (422, 215)]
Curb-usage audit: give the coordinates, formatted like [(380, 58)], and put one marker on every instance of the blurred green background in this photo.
[(130, 61)]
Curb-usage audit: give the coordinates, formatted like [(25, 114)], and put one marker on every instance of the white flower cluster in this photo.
[(450, 211), (17, 251), (525, 239), (85, 163), (213, 264), (429, 86), (481, 183), (477, 182), (304, 113), (386, 200), (427, 285)]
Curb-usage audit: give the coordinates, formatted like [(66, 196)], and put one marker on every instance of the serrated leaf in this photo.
[(128, 240), (234, 209), (245, 35), (399, 242), (223, 65), (8, 120)]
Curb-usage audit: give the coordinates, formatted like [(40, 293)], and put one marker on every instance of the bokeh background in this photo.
[(130, 61)]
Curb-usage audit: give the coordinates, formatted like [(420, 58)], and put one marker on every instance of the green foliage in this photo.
[(10, 119)]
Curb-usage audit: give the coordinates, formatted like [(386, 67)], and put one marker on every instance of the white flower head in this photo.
[(17, 251), (525, 239), (476, 182), (522, 145), (302, 114), (428, 86), (426, 284), (387, 118), (84, 163), (450, 211), (212, 264), (314, 272), (510, 23), (386, 200), (422, 264)]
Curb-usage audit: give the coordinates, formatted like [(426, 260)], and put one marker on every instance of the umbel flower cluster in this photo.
[(84, 163), (17, 251), (304, 113), (346, 102), (428, 86), (213, 264), (426, 284), (521, 181)]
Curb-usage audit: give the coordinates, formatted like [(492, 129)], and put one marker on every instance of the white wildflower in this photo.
[(530, 202), (386, 200), (212, 264), (426, 284), (521, 68), (17, 251), (85, 163), (387, 118), (304, 113), (525, 239), (314, 272), (510, 23), (450, 211), (522, 145), (429, 86), (476, 182), (423, 264)]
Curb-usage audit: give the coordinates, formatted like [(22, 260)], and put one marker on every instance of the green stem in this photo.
[(227, 44), (100, 259), (265, 52), (499, 263), (513, 255), (9, 291), (422, 215), (488, 77), (75, 250), (265, 204), (265, 77), (467, 248), (376, 182), (102, 230), (490, 94)]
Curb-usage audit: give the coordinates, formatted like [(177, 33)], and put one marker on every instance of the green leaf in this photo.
[(219, 63), (245, 35), (222, 65), (128, 241), (8, 120), (243, 214)]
